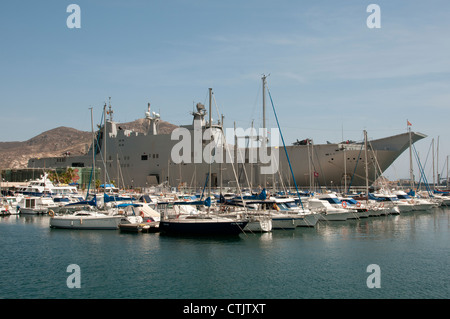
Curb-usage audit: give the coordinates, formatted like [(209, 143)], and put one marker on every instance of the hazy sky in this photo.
[(331, 77)]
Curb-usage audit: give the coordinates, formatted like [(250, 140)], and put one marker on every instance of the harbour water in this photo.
[(329, 261)]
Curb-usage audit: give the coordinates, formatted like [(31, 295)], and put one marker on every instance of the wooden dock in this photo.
[(145, 227)]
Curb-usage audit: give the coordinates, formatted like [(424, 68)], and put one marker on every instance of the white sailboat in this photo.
[(202, 223), (288, 205), (362, 211), (418, 202), (258, 223), (85, 219), (329, 212), (301, 216)]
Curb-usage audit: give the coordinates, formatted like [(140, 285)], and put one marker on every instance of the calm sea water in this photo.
[(329, 261)]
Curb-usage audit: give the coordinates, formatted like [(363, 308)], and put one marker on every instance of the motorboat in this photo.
[(8, 206), (43, 186), (35, 205)]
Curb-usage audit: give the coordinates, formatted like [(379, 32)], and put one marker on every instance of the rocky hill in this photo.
[(58, 141)]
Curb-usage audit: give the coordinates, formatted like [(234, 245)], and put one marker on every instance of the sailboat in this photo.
[(302, 216), (89, 218), (418, 202), (85, 219), (258, 222), (201, 223)]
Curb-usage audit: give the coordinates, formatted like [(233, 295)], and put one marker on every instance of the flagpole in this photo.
[(411, 173)]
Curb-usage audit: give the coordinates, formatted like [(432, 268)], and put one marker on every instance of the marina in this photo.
[(222, 238), (172, 153)]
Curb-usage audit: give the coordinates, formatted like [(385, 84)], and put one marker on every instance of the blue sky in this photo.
[(331, 77)]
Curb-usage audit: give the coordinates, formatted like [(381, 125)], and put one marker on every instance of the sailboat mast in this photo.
[(210, 129), (411, 173), (264, 140), (434, 173), (366, 166), (93, 145), (104, 148), (437, 163), (221, 159), (264, 106), (251, 161)]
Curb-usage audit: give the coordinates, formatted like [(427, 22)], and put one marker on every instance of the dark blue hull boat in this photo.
[(202, 226)]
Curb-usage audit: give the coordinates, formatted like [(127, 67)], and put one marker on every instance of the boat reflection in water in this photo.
[(202, 225)]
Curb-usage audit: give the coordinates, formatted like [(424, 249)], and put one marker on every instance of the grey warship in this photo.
[(138, 160)]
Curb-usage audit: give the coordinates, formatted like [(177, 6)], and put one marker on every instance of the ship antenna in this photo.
[(110, 111)]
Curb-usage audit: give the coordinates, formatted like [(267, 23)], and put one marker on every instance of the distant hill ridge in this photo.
[(60, 140)]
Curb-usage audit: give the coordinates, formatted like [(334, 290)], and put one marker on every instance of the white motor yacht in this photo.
[(33, 205)]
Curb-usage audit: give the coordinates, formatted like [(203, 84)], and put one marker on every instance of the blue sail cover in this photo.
[(112, 198), (411, 193), (371, 196), (261, 196), (206, 202), (92, 202), (107, 185)]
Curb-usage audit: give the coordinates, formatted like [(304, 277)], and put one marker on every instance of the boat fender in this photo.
[(51, 213), (344, 204)]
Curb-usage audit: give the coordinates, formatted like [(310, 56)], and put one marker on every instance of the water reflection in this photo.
[(392, 226), (39, 220), (326, 261), (384, 227)]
